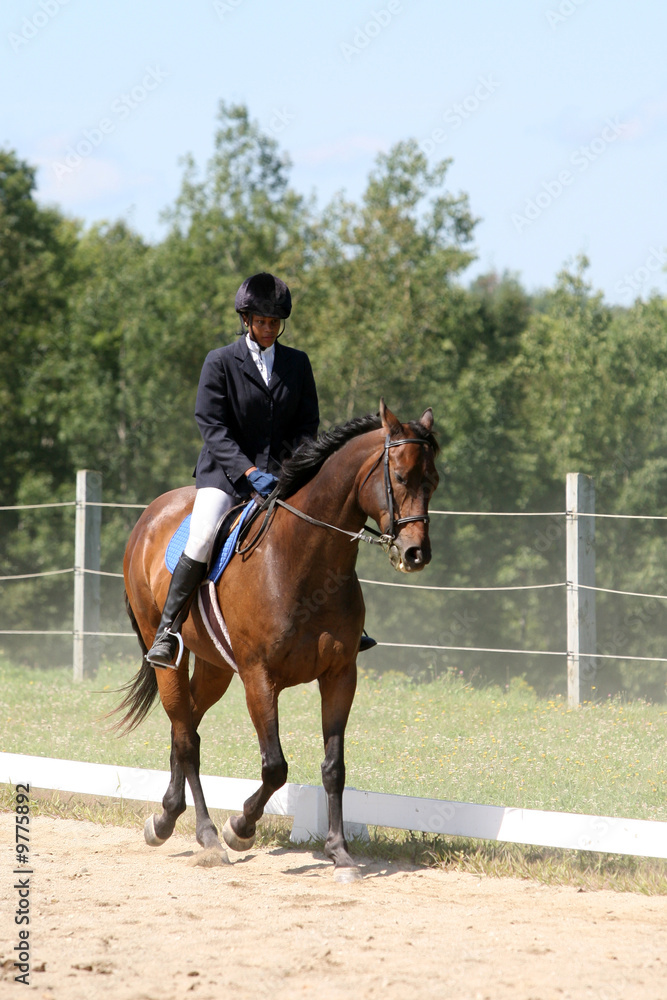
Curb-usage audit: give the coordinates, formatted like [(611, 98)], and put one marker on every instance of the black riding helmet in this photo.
[(264, 295)]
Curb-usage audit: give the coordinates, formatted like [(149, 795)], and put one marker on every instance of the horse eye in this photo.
[(400, 479)]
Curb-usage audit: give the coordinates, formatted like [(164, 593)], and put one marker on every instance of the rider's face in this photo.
[(264, 330)]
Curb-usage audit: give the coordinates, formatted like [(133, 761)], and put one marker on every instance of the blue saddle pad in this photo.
[(180, 537)]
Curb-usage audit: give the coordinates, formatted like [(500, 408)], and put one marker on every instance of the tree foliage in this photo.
[(37, 247), (103, 336)]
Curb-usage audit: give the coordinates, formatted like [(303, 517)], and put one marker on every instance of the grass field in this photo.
[(441, 739)]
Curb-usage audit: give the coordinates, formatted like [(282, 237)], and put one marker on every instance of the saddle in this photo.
[(226, 537)]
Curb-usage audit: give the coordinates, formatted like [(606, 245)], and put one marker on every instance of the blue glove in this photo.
[(262, 482)]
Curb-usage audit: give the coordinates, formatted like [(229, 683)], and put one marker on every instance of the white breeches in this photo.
[(210, 506)]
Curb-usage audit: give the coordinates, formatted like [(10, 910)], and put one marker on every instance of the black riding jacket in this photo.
[(244, 422)]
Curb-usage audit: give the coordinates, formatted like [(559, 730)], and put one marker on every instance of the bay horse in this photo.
[(374, 467)]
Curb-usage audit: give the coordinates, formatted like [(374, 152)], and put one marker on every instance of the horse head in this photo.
[(404, 479)]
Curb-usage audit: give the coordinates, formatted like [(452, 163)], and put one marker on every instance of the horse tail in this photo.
[(141, 691)]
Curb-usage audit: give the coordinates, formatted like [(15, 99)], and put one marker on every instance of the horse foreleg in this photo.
[(262, 700), (337, 693)]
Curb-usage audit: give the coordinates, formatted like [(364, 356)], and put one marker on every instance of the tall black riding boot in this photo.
[(188, 574)]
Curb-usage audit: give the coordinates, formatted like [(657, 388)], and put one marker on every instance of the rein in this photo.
[(373, 538), (272, 502), (358, 536)]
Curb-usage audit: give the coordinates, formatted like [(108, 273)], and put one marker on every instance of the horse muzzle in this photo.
[(409, 558)]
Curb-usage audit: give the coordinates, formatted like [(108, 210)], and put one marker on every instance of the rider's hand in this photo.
[(262, 482)]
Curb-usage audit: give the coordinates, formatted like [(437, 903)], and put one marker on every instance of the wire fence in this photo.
[(563, 584)]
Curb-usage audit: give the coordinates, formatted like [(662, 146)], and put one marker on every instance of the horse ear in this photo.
[(390, 423), (426, 419)]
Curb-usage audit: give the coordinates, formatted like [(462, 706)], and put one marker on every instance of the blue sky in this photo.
[(554, 111)]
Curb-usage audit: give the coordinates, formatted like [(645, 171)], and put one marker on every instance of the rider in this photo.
[(256, 402)]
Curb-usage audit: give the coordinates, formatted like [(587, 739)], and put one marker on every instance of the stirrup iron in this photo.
[(179, 657), (167, 666)]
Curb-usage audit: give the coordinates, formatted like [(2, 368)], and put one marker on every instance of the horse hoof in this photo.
[(235, 842), (211, 857), (346, 875), (150, 835)]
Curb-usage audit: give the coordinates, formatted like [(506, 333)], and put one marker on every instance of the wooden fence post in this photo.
[(87, 584), (580, 569)]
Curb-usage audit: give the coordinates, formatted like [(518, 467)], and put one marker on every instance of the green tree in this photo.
[(239, 218), (380, 302), (36, 272), (103, 337)]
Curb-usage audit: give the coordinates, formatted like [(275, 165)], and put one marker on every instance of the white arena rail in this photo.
[(307, 804)]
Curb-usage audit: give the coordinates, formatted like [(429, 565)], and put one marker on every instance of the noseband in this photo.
[(395, 524)]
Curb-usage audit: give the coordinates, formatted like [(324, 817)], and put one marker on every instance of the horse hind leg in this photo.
[(239, 831), (158, 829), (176, 699)]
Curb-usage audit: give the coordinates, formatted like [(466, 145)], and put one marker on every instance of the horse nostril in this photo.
[(413, 556)]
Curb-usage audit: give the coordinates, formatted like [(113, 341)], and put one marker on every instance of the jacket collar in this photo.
[(242, 353)]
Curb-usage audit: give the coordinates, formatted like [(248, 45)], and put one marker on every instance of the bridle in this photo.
[(385, 539), (394, 523)]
